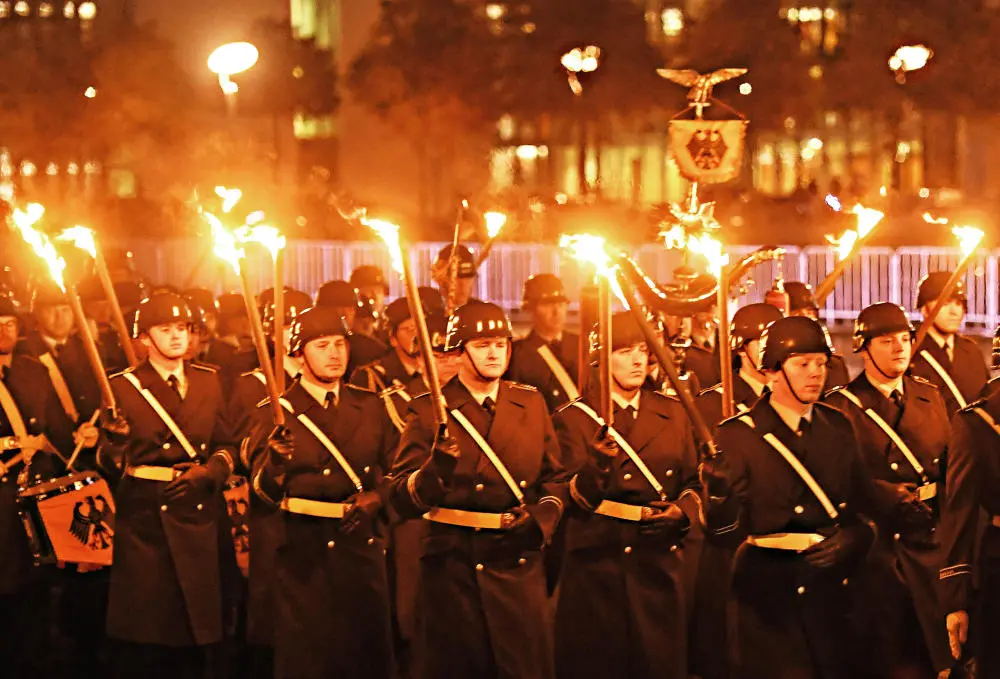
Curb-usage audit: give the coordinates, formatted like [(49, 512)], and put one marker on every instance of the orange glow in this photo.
[(25, 221)]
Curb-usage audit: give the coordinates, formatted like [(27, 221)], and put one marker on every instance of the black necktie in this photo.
[(624, 420), (489, 406), (57, 349), (899, 400), (175, 384), (805, 426), (331, 401)]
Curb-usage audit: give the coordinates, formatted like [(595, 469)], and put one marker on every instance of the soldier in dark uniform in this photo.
[(951, 361), (25, 402), (703, 356), (465, 274), (621, 609), (801, 496), (902, 427), (491, 493), (325, 473), (98, 308), (802, 303), (547, 357), (165, 608), (231, 349), (370, 284), (969, 581), (340, 296)]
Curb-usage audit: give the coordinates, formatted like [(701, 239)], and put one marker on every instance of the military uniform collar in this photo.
[(319, 392), (753, 382)]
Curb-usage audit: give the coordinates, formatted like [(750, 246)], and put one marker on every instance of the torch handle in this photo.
[(260, 344), (485, 252), (725, 349), (116, 308), (945, 295), (424, 339), (824, 289), (604, 313), (90, 346), (279, 320)]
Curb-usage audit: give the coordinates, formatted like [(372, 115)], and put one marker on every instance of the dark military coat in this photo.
[(528, 367), (967, 369)]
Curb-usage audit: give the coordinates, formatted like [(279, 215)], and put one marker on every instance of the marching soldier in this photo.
[(231, 349), (491, 493), (169, 437), (547, 357), (341, 297), (951, 361), (802, 303), (703, 356), (465, 267), (902, 427), (397, 374), (621, 609), (370, 284), (325, 473), (801, 495), (969, 552)]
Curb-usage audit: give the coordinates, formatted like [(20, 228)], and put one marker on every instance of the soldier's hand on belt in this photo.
[(590, 485), (280, 446), (958, 632), (716, 476), (523, 533), (363, 513), (843, 544), (198, 479), (664, 519)]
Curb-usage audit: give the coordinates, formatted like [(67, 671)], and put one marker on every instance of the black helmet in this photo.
[(159, 309), (202, 297), (47, 293), (90, 289), (800, 296), (932, 285), (295, 302), (396, 314), (475, 320), (129, 293), (749, 323), (789, 336), (369, 275), (625, 332), (996, 349), (541, 289), (231, 305), (313, 323), (437, 328), (9, 305), (879, 319), (199, 320), (336, 294), (466, 262), (430, 299)]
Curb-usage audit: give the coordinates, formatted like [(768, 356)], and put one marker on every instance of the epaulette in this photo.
[(206, 368), (425, 394), (120, 373), (979, 403), (717, 389), (833, 391), (923, 381), (379, 368), (266, 401), (523, 387), (567, 404), (361, 389), (734, 418), (250, 373)]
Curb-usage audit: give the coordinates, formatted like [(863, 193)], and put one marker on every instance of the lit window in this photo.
[(925, 192), (829, 14), (793, 15), (815, 143), (52, 169), (505, 127), (673, 22), (87, 11), (91, 167), (496, 11), (28, 168), (746, 89), (69, 10), (527, 152), (45, 10), (22, 8), (529, 27), (4, 9), (90, 93), (73, 169)]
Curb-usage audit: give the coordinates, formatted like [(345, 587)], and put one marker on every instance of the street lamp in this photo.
[(581, 60), (228, 60), (906, 59)]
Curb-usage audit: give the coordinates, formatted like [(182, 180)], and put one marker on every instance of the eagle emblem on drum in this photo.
[(707, 149), (93, 522)]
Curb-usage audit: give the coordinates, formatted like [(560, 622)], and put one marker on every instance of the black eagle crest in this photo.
[(707, 149), (93, 522)]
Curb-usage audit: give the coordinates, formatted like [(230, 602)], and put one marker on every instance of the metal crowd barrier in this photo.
[(877, 274)]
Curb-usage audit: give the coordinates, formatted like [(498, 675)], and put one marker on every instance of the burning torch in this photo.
[(848, 245), (256, 232), (969, 238), (495, 222)]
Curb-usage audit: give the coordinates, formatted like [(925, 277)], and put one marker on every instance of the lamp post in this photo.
[(228, 60), (577, 61), (906, 59)]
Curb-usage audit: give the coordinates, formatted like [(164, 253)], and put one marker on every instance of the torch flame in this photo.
[(931, 219), (266, 235), (25, 221), (702, 244), (81, 237), (224, 241), (868, 219), (968, 238), (230, 197), (675, 238), (495, 221), (389, 233), (590, 249)]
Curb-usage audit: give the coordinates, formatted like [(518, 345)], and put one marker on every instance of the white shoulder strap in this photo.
[(488, 451), (326, 443), (158, 408), (799, 468), (889, 431), (567, 384), (60, 386), (12, 412), (945, 377), (624, 445)]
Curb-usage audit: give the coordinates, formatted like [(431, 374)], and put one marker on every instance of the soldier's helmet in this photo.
[(476, 320), (790, 336), (542, 288), (749, 323), (625, 332), (160, 309), (800, 296), (369, 275), (875, 320), (336, 294), (203, 297), (437, 328), (466, 262), (9, 306), (313, 323), (130, 293), (396, 313), (231, 305), (932, 285), (430, 299), (294, 303), (47, 293)]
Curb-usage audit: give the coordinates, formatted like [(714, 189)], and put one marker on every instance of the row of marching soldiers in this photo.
[(508, 532)]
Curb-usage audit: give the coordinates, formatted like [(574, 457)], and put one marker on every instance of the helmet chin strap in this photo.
[(161, 352), (877, 366), (791, 388), (316, 376), (475, 367)]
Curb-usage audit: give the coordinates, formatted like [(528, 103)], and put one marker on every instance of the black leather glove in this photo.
[(523, 533), (280, 447), (440, 466), (115, 429), (716, 476), (913, 517), (198, 479), (362, 515), (844, 544), (604, 449), (590, 485), (666, 520)]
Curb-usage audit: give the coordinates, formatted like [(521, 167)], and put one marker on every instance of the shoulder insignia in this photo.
[(738, 417), (980, 403), (379, 368), (923, 381), (522, 387), (717, 389), (833, 392), (204, 367), (566, 405), (121, 373), (355, 387)]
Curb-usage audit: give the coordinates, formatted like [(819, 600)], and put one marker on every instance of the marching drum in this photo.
[(237, 493), (70, 519)]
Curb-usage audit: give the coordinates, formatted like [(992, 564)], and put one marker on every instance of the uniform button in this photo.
[(555, 392), (845, 581), (627, 476), (842, 506), (894, 466), (204, 446), (801, 590), (670, 472), (326, 472), (936, 460), (367, 469), (166, 446), (330, 544), (522, 561), (479, 487), (163, 508), (33, 420), (799, 509), (200, 507), (673, 548), (896, 536), (479, 568), (628, 550), (523, 484), (371, 541)]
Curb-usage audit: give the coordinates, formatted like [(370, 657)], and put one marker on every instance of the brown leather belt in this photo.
[(790, 542), (151, 473), (322, 510), (465, 519)]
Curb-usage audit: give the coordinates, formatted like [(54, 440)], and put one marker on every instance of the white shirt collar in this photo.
[(52, 343), (178, 373), (942, 341), (623, 404), (886, 387), (756, 384), (319, 391), (493, 393), (790, 416)]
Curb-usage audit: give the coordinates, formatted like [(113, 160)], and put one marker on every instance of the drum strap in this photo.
[(59, 384), (889, 431), (798, 467), (490, 454), (624, 445), (945, 377), (157, 407), (325, 442), (559, 372), (12, 412)]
